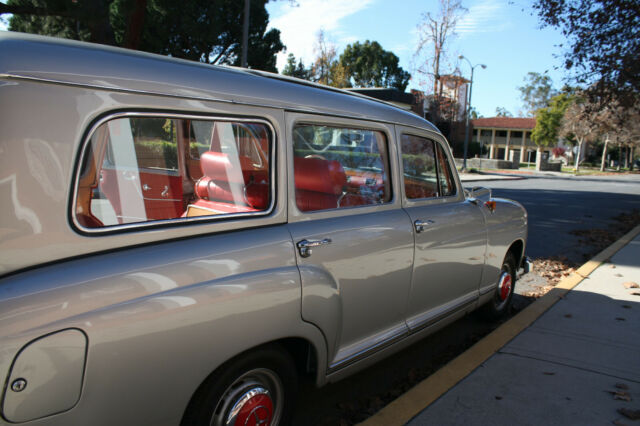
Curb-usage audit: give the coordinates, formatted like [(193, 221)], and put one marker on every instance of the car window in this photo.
[(338, 167), (419, 166), (144, 169), (447, 183), (427, 173)]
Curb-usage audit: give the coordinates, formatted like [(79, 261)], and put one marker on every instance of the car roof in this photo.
[(26, 56)]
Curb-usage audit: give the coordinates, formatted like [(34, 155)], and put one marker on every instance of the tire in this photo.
[(500, 303), (260, 385)]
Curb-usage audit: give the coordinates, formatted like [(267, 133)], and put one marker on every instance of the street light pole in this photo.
[(466, 135)]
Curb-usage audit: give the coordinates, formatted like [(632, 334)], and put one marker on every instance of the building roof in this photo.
[(518, 123), (385, 94)]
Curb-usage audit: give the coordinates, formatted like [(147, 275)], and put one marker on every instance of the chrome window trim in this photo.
[(175, 221), (348, 123), (411, 202)]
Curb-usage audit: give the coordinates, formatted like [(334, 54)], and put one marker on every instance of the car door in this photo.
[(450, 233), (355, 244)]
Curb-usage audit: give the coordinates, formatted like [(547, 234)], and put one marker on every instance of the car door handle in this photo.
[(421, 224), (305, 246)]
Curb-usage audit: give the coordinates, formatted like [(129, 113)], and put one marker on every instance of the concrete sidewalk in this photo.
[(575, 360)]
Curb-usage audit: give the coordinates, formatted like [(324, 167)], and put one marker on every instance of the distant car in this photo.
[(182, 243)]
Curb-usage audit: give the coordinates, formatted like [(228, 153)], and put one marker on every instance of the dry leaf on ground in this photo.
[(629, 413)]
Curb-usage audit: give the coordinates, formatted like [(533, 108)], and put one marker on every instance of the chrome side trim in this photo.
[(175, 221), (360, 350), (436, 314), (487, 289)]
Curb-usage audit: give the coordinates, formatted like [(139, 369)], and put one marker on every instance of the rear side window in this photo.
[(336, 167), (427, 173), (145, 169)]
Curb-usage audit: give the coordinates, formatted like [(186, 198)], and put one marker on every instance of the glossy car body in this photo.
[(124, 323)]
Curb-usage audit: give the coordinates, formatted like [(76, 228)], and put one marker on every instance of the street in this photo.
[(556, 206)]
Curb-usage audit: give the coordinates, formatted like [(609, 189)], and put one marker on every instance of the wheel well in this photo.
[(517, 250), (301, 350), (303, 354)]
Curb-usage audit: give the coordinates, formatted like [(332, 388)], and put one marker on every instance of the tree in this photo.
[(435, 32), (369, 65), (548, 122), (326, 68), (296, 70), (503, 112), (199, 30), (536, 93), (325, 59), (578, 124), (604, 44)]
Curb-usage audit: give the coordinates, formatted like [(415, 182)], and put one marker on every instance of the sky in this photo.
[(504, 35)]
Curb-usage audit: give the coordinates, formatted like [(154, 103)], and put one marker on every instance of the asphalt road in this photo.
[(556, 206)]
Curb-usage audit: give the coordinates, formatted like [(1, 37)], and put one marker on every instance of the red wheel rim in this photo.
[(504, 287), (256, 411)]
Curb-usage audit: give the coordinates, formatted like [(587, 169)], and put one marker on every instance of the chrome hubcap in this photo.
[(504, 286), (254, 399), (253, 408)]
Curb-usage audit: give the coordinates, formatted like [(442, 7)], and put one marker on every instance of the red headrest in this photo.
[(218, 167), (316, 174)]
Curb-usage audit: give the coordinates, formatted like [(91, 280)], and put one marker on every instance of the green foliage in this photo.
[(536, 92), (369, 65), (296, 70), (199, 30), (604, 45), (159, 154), (548, 120)]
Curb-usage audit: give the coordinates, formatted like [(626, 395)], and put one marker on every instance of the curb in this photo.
[(491, 178), (407, 406)]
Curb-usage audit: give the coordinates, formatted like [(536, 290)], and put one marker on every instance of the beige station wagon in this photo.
[(183, 243)]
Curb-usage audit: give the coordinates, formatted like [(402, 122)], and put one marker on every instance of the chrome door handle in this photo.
[(420, 224), (305, 246)]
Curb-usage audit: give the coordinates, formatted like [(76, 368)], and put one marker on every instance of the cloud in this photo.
[(299, 25), (485, 16)]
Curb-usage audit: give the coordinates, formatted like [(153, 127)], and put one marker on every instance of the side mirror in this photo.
[(477, 194)]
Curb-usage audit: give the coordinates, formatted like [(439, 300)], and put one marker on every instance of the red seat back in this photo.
[(319, 183)]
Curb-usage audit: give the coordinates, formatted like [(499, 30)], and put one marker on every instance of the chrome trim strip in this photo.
[(180, 220), (487, 289), (436, 314), (358, 351)]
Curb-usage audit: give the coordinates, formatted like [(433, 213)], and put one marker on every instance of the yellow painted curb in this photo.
[(405, 407)]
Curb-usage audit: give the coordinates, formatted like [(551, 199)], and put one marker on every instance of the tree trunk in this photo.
[(627, 156), (576, 166), (604, 153), (133, 33), (539, 159), (631, 159)]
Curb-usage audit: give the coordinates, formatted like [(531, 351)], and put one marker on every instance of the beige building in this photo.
[(508, 138)]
